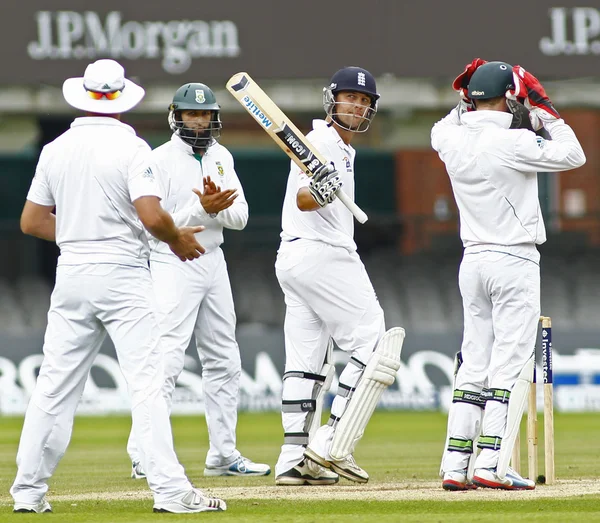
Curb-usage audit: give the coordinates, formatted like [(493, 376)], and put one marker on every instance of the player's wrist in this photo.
[(200, 213)]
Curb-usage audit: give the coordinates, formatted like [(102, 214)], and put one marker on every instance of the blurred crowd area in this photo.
[(418, 291)]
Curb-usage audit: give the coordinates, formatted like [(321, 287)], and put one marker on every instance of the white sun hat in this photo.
[(103, 89)]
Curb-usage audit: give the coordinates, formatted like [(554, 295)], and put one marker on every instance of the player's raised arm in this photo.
[(234, 216), (534, 153), (445, 128)]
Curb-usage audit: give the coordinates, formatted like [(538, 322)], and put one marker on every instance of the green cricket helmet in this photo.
[(195, 97), (491, 80)]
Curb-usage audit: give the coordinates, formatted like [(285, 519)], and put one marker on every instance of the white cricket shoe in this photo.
[(347, 467), (241, 467), (137, 472), (38, 508), (191, 502), (307, 473), (513, 481), (457, 480)]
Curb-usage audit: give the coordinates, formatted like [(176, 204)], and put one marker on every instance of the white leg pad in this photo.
[(473, 456), (379, 374), (328, 371), (457, 364), (516, 407)]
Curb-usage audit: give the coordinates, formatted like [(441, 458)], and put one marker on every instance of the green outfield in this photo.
[(400, 450)]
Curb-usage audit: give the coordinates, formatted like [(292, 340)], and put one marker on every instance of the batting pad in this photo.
[(379, 374), (328, 371), (516, 407)]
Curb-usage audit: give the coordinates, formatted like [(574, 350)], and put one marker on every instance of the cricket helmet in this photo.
[(195, 97), (351, 79), (491, 80)]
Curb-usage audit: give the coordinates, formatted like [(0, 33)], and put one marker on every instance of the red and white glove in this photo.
[(519, 93), (541, 110), (461, 82)]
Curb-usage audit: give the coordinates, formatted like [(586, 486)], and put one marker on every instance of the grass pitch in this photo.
[(400, 450)]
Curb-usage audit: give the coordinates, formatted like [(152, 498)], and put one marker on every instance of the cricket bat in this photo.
[(281, 129)]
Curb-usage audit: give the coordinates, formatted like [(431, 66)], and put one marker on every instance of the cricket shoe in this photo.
[(347, 467), (241, 467), (191, 502), (513, 481), (38, 508), (137, 472), (307, 473), (457, 480)]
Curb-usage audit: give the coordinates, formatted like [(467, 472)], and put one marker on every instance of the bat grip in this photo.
[(358, 213)]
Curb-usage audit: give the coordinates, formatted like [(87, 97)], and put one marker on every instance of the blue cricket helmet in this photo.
[(351, 79)]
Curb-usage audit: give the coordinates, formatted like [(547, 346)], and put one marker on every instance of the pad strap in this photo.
[(489, 442), (501, 395), (460, 445), (303, 375), (467, 396), (345, 391), (298, 405), (295, 438), (357, 363), (333, 420)]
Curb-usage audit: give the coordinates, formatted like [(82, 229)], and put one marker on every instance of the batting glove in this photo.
[(461, 82), (541, 110), (324, 184)]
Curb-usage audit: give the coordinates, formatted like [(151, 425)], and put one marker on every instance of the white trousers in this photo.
[(89, 301), (195, 298), (501, 302), (327, 294)]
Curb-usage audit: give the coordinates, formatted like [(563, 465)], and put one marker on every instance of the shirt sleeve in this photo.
[(142, 179), (236, 216), (443, 129), (190, 216), (534, 153), (40, 191)]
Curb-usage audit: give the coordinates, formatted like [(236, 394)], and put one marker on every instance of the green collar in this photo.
[(198, 157)]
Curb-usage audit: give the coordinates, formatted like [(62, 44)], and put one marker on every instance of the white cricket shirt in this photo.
[(178, 171), (332, 224), (493, 171), (92, 173)]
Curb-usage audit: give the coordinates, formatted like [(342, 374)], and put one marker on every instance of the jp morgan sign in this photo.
[(67, 35), (574, 31), (46, 41)]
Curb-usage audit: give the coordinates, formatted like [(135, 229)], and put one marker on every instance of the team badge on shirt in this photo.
[(200, 96), (348, 165), (541, 142), (220, 169)]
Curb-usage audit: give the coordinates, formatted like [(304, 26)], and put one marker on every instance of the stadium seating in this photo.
[(418, 292)]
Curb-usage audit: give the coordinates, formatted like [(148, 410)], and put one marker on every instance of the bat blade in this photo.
[(282, 130)]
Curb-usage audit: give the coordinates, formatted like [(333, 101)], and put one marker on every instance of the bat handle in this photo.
[(358, 213)]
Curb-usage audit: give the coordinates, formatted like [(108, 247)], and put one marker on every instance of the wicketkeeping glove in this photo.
[(541, 110), (324, 184), (461, 82)]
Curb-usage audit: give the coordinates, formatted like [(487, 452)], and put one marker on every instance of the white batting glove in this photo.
[(324, 184)]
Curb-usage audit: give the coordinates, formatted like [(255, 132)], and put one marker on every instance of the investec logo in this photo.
[(259, 116), (71, 35), (574, 31)]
